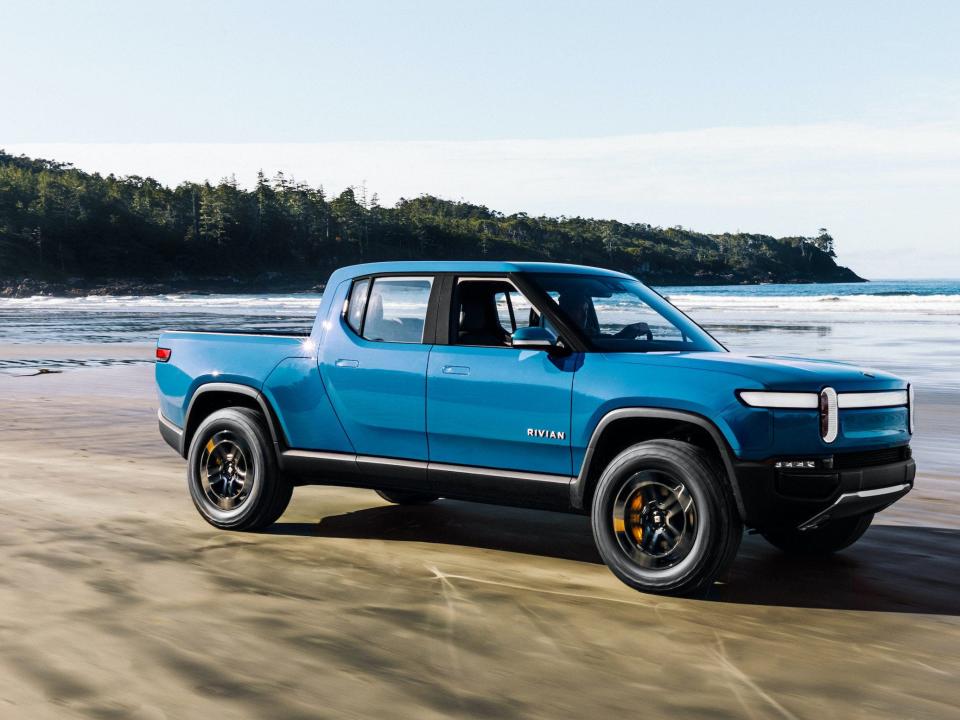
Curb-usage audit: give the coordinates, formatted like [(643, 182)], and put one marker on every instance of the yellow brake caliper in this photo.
[(636, 527)]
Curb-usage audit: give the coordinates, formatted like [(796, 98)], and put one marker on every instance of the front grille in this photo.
[(845, 461)]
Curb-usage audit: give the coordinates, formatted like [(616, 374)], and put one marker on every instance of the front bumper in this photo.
[(860, 502), (804, 498)]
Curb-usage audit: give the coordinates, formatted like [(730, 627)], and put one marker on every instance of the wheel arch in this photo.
[(211, 397), (623, 427)]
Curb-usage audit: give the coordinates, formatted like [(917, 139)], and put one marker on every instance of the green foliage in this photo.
[(60, 222)]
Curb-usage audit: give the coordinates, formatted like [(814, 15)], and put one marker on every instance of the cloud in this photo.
[(887, 193)]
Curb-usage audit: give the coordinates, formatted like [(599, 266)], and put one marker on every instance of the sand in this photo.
[(117, 600)]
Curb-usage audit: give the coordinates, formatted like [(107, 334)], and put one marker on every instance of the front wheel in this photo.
[(663, 519), (831, 537), (232, 472)]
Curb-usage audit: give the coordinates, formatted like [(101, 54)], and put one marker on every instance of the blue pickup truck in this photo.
[(541, 385)]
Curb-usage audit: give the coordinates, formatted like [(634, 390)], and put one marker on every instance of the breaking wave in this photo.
[(880, 303)]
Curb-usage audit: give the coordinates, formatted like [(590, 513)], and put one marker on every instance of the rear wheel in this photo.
[(663, 519), (406, 497), (232, 472), (831, 537)]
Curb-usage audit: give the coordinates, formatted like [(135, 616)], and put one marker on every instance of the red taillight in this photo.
[(163, 354)]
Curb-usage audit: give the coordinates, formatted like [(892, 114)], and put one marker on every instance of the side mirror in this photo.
[(534, 338)]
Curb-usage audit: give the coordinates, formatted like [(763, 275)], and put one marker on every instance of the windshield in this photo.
[(622, 315)]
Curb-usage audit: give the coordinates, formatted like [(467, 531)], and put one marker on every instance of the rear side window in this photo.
[(396, 309), (357, 303)]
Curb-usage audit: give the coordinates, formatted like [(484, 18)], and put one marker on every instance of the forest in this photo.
[(63, 229)]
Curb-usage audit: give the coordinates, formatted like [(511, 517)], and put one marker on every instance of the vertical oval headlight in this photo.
[(829, 420)]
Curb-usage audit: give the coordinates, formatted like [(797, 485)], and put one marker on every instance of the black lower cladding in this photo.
[(490, 485), (789, 496), (171, 434)]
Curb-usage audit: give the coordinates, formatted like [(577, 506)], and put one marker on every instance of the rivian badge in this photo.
[(546, 434)]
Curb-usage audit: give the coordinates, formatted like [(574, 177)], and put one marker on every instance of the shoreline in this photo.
[(11, 288)]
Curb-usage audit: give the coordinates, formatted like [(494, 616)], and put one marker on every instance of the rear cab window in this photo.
[(357, 303)]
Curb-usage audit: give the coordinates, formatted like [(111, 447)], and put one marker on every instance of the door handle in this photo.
[(456, 370), (343, 362)]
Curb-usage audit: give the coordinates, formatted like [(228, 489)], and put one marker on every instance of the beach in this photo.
[(117, 600)]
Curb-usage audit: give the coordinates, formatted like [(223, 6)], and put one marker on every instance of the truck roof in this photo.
[(478, 266)]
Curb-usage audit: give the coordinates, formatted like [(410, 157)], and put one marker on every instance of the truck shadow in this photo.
[(892, 569), (449, 522)]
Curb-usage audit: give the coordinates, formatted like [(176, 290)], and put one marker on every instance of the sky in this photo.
[(766, 117)]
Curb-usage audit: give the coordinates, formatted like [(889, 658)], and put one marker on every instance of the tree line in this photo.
[(58, 222)]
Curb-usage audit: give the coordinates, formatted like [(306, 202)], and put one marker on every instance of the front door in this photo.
[(490, 405)]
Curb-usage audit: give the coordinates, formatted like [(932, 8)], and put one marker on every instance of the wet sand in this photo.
[(117, 600)]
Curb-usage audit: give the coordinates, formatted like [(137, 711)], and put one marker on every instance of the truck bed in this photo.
[(202, 357)]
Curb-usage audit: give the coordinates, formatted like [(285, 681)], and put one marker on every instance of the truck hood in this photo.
[(779, 372)]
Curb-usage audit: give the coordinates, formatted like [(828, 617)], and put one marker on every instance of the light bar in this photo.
[(764, 399), (892, 398), (828, 403), (911, 402), (809, 401)]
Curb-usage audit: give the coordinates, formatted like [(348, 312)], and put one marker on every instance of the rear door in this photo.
[(490, 405), (374, 366)]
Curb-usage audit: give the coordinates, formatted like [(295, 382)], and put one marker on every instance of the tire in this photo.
[(249, 493), (406, 497), (831, 537), (664, 519)]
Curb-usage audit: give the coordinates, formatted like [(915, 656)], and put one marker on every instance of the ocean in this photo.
[(910, 327)]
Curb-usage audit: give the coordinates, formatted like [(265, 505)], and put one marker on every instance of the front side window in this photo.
[(397, 309), (488, 311), (622, 315), (515, 311)]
